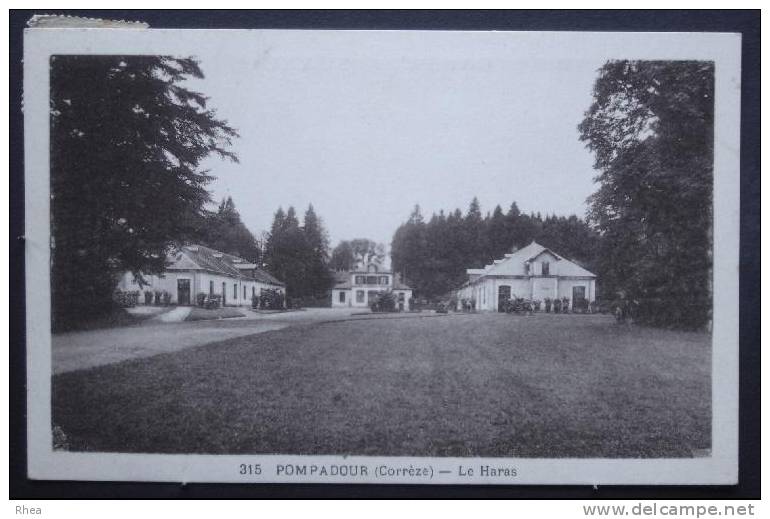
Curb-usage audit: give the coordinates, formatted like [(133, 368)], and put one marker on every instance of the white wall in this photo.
[(199, 282), (336, 298), (485, 292)]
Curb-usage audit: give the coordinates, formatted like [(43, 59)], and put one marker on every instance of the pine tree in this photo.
[(317, 277)]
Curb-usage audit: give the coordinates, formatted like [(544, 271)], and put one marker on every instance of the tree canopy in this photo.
[(127, 141), (650, 127), (299, 254), (343, 258)]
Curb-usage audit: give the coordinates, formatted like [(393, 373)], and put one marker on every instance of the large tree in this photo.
[(299, 254), (651, 129), (127, 141)]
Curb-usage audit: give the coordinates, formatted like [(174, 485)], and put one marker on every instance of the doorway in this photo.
[(503, 296), (183, 291), (578, 297)]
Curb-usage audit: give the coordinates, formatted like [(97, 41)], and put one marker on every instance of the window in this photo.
[(546, 268), (244, 291), (342, 297), (384, 280), (253, 291), (360, 280), (211, 288), (371, 280), (359, 296), (235, 290)]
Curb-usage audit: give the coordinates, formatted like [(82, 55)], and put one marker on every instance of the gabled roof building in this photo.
[(195, 269), (533, 272)]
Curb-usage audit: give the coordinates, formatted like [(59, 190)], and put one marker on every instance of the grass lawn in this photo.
[(457, 385), (114, 318), (204, 314)]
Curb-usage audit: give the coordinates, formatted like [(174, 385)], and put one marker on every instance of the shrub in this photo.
[(556, 306), (271, 299), (384, 302), (126, 299), (147, 297), (536, 305), (158, 297), (200, 298), (255, 302), (565, 305), (166, 298), (213, 301), (547, 302)]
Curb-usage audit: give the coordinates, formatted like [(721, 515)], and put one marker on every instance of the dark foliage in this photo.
[(126, 144), (343, 258), (271, 300), (651, 129), (384, 302), (224, 231), (299, 255)]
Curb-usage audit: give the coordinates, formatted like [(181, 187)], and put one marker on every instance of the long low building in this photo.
[(195, 269), (532, 272)]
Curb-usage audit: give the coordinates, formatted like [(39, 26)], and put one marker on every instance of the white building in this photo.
[(357, 288), (533, 272), (195, 269)]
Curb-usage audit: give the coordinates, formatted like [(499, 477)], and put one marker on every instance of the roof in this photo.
[(199, 257), (342, 279), (515, 264)]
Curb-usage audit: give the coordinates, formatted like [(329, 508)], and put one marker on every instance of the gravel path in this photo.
[(177, 315), (169, 332)]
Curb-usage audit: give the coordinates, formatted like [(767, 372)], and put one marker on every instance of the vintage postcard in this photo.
[(437, 257)]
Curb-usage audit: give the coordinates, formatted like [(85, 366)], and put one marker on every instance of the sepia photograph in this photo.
[(392, 256)]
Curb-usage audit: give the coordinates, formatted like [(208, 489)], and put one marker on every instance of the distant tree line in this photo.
[(433, 256)]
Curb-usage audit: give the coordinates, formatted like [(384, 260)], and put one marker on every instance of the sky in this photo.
[(365, 129)]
